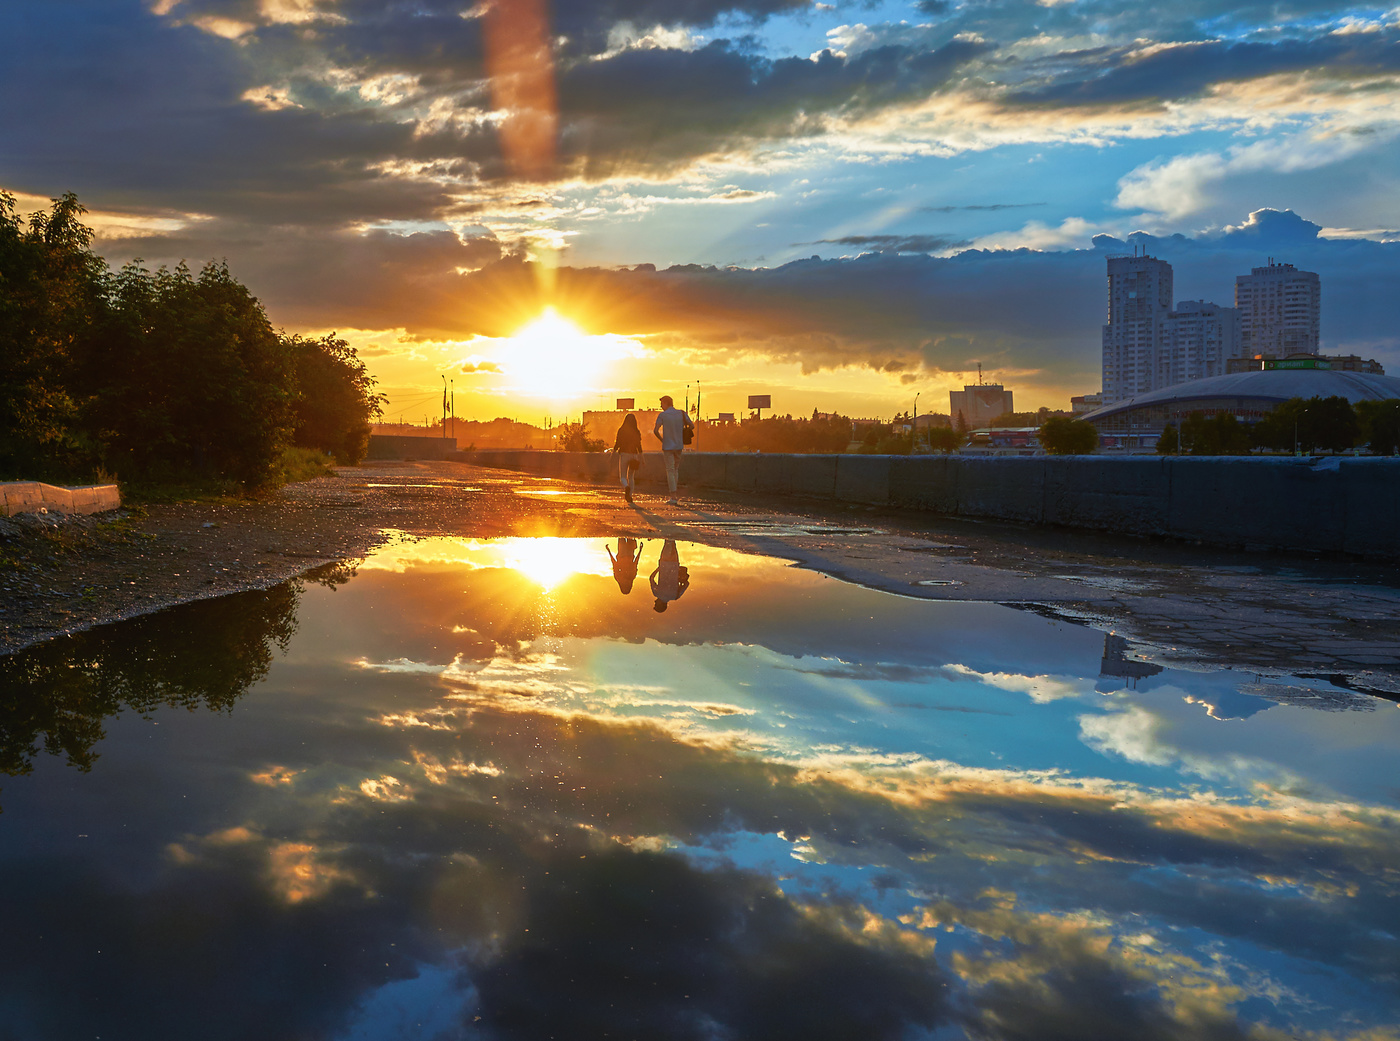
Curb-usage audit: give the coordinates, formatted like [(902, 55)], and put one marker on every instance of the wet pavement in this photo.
[(715, 771)]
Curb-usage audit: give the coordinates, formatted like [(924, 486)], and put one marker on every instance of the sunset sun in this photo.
[(553, 358)]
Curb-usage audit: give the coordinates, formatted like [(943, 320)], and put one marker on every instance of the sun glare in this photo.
[(552, 358), (549, 561)]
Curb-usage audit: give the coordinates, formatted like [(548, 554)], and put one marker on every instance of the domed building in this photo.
[(1137, 422)]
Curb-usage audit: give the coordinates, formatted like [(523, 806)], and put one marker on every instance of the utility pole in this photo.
[(444, 407), (914, 430)]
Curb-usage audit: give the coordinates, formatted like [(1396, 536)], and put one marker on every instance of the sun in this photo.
[(553, 358)]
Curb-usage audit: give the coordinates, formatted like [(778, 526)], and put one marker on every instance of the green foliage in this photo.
[(336, 402), (1327, 423), (1024, 419), (573, 437), (1169, 443), (1060, 435), (1380, 425), (51, 304), (168, 379), (819, 433), (1219, 435), (944, 439), (303, 464), (191, 379)]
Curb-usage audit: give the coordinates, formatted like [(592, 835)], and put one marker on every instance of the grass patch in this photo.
[(304, 464)]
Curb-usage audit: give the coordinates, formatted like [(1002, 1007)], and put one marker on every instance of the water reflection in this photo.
[(671, 578), (466, 803), (624, 563)]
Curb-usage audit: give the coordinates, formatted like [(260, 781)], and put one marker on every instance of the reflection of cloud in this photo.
[(1041, 689)]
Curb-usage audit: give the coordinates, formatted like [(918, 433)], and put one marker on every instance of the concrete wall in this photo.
[(33, 496), (391, 446), (1349, 505)]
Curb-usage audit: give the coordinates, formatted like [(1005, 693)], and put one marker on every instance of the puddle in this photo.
[(472, 789)]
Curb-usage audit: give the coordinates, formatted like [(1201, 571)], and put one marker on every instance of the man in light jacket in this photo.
[(670, 428)]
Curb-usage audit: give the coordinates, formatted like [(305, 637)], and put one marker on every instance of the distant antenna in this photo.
[(979, 374)]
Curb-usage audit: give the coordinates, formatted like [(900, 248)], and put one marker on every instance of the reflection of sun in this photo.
[(552, 358), (549, 561)]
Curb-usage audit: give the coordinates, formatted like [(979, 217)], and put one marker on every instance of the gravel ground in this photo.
[(1176, 605)]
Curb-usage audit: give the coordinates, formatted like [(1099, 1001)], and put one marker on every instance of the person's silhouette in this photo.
[(629, 553), (670, 580)]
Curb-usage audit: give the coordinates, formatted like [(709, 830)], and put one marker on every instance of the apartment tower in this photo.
[(1139, 300), (1280, 310)]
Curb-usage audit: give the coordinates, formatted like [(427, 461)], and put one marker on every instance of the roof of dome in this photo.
[(1265, 385)]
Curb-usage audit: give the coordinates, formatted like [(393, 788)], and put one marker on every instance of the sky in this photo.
[(843, 205)]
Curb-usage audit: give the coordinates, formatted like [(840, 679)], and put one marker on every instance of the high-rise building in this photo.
[(1198, 339), (1139, 300), (979, 404), (1280, 310)]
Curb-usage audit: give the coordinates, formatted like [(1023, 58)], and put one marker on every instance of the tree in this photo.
[(51, 305), (1219, 435), (573, 437), (944, 439), (191, 381), (335, 402), (1169, 443), (1327, 423), (1060, 435), (1380, 425)]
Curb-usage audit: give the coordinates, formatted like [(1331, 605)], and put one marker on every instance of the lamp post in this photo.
[(914, 427)]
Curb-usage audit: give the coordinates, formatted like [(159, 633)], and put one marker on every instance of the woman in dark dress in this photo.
[(628, 447)]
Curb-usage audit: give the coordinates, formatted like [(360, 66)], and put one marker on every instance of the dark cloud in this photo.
[(896, 243), (976, 208), (654, 947), (329, 278), (1181, 70), (651, 106)]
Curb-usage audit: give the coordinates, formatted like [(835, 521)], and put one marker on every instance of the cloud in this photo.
[(897, 243), (480, 366)]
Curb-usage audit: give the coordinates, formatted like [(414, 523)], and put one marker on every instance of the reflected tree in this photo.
[(201, 655)]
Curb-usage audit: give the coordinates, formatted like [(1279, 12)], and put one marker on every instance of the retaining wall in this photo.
[(33, 496), (1341, 504)]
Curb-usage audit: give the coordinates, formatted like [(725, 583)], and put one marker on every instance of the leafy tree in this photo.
[(1380, 425), (51, 303), (336, 402), (1169, 443), (1060, 435), (1219, 435), (190, 380), (1327, 423), (573, 437), (944, 439)]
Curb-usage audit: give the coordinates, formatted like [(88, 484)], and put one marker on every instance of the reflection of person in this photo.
[(670, 580), (629, 553), (671, 427), (628, 447)]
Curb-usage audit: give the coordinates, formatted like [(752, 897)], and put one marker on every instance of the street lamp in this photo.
[(914, 428)]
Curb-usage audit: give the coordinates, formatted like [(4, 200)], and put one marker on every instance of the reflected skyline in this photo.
[(464, 798)]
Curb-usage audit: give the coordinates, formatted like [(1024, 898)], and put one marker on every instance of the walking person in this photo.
[(628, 446), (675, 430), (671, 578)]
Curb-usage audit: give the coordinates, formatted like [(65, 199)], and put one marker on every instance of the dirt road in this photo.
[(1175, 605)]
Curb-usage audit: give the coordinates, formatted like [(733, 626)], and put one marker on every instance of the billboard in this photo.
[(623, 404), (726, 417), (760, 401)]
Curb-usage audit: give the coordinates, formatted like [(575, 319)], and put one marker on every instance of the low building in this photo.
[(1339, 362), (979, 403), (1082, 403), (1138, 422)]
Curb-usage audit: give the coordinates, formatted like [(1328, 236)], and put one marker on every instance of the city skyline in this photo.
[(840, 204)]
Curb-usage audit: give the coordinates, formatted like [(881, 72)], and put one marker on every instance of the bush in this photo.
[(1327, 423), (944, 439), (335, 402), (1060, 435), (1380, 425), (163, 378)]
